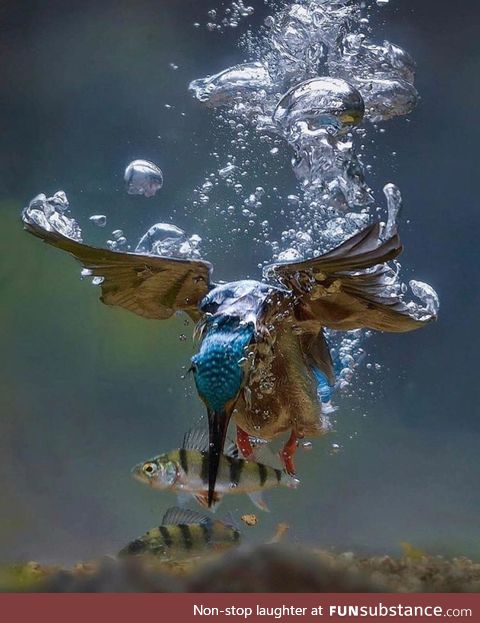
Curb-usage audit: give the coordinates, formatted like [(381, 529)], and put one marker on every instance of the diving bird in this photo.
[(262, 344)]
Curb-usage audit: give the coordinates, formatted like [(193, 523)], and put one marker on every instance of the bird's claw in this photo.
[(244, 444), (287, 462), (287, 453)]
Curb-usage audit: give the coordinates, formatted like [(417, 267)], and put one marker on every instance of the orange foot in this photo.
[(243, 443), (287, 454)]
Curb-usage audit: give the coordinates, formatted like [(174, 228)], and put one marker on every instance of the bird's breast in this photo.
[(280, 392), (219, 364)]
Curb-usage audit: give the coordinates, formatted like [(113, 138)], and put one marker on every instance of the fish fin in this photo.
[(202, 499), (235, 534), (183, 499), (196, 439), (280, 532), (230, 521), (217, 498), (176, 516), (264, 454), (257, 499)]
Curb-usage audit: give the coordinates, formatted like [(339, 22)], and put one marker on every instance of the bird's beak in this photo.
[(217, 431)]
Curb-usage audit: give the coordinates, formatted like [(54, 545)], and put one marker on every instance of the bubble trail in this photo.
[(427, 296), (394, 205), (51, 214), (317, 81), (170, 241), (231, 84), (313, 87)]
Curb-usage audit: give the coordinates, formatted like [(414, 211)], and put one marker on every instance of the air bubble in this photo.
[(143, 178)]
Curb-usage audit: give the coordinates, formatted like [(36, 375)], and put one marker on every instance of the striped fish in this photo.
[(183, 533), (186, 471)]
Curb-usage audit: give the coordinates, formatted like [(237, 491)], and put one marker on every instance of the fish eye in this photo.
[(149, 469)]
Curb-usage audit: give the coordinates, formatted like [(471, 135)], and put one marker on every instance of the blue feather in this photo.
[(324, 389), (218, 367)]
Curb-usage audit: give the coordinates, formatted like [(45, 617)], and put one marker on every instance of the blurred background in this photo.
[(87, 391)]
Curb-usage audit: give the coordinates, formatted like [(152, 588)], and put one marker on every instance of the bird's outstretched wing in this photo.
[(150, 286), (348, 287)]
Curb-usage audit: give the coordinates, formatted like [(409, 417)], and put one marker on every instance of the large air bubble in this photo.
[(143, 178), (169, 240), (50, 213)]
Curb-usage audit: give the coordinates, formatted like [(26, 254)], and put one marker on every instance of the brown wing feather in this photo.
[(152, 287), (332, 291)]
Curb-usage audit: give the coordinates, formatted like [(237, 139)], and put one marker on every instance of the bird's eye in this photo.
[(149, 469), (209, 307)]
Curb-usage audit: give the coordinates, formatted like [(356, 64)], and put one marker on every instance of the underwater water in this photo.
[(87, 391)]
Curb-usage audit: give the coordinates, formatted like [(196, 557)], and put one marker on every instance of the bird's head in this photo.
[(243, 300), (219, 373)]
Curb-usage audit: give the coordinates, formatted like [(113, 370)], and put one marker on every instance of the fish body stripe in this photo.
[(207, 532), (186, 535), (204, 469), (262, 473), (236, 467), (221, 533), (182, 455), (171, 539), (167, 539), (234, 472)]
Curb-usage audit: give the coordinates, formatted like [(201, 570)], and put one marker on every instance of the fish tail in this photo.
[(287, 480), (202, 499), (258, 500)]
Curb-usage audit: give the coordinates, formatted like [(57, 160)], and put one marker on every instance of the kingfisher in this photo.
[(262, 346)]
